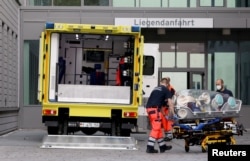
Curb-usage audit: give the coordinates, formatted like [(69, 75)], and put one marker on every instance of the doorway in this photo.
[(185, 64)]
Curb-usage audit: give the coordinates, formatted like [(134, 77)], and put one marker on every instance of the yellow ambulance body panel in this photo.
[(90, 78)]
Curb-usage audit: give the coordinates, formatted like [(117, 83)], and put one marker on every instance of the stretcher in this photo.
[(206, 117)]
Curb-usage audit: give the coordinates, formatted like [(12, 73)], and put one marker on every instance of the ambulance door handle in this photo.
[(147, 86)]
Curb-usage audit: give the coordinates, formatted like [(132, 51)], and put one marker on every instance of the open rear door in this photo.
[(150, 73), (40, 74), (141, 61), (150, 67)]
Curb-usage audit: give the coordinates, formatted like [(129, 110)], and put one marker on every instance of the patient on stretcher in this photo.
[(204, 101)]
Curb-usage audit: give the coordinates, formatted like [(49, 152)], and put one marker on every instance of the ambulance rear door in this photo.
[(41, 63), (150, 69)]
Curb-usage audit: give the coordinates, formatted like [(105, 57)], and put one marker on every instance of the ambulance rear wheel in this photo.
[(125, 132), (52, 130), (89, 131), (113, 128)]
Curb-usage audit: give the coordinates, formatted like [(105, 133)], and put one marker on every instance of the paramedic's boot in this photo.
[(168, 136), (163, 148), (150, 149)]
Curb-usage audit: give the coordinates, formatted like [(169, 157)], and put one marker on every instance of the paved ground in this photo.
[(24, 145)]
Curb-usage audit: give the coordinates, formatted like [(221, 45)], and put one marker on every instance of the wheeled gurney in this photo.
[(206, 117)]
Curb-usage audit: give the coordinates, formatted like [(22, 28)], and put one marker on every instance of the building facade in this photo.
[(9, 66), (199, 41)]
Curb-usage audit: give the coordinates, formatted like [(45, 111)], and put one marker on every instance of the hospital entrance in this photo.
[(185, 64)]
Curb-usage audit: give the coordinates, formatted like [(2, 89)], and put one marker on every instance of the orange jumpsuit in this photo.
[(167, 124), (155, 102), (155, 118)]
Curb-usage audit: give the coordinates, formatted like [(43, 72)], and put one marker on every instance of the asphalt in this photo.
[(24, 145)]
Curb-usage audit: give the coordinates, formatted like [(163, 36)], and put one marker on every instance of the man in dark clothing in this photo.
[(159, 97), (221, 88)]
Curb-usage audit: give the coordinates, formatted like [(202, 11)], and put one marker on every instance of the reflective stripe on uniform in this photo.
[(151, 141), (161, 142)]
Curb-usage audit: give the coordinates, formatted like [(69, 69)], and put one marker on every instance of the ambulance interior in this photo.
[(83, 68)]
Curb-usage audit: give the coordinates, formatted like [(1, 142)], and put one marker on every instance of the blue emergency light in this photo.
[(135, 29), (49, 25)]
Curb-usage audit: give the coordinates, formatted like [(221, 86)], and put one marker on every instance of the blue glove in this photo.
[(174, 117)]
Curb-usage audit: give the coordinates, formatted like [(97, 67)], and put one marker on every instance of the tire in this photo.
[(52, 130), (204, 150), (89, 131), (65, 127), (187, 145), (125, 132), (113, 128)]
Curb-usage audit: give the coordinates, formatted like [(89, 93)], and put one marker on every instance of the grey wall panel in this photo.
[(8, 70), (230, 23), (248, 22), (223, 14), (64, 20), (33, 15), (9, 13), (1, 37), (96, 13), (96, 20), (32, 30), (8, 121), (9, 118), (32, 117), (128, 15), (175, 15), (61, 13)]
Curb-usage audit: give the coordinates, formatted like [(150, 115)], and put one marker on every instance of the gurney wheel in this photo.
[(187, 145), (187, 148), (203, 149)]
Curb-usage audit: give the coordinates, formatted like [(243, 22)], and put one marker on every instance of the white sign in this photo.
[(166, 22)]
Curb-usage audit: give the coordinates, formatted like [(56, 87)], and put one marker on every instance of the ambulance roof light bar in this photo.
[(135, 29), (49, 25)]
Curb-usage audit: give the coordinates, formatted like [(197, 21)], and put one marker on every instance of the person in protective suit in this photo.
[(158, 97)]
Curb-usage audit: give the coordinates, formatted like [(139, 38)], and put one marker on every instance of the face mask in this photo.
[(218, 87)]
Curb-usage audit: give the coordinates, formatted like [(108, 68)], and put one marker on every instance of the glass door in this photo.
[(185, 64), (196, 80)]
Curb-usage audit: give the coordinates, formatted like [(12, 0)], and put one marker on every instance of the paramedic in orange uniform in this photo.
[(167, 123), (158, 97)]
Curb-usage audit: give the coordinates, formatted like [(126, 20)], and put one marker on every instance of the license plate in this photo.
[(89, 124)]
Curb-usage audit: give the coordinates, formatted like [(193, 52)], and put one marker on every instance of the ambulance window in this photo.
[(148, 66)]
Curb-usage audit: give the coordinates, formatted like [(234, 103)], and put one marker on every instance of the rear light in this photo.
[(130, 114), (49, 112)]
